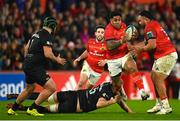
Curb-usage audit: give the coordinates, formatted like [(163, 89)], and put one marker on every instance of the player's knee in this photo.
[(116, 79), (51, 86), (53, 108), (52, 99)]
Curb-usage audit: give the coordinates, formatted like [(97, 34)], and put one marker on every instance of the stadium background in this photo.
[(76, 22)]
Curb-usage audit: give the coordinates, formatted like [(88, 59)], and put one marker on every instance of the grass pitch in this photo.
[(108, 113)]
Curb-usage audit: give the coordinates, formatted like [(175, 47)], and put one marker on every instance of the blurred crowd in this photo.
[(76, 22)]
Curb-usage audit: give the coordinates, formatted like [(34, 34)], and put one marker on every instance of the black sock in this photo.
[(34, 106), (42, 109), (15, 106)]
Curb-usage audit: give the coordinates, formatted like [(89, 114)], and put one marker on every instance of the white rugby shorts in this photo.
[(165, 64), (115, 66), (93, 76)]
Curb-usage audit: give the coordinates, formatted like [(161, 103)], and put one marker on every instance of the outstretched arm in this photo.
[(82, 56), (122, 104), (104, 103)]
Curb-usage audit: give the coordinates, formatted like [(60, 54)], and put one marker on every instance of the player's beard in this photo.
[(100, 38), (117, 26)]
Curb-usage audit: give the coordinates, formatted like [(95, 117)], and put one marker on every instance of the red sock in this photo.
[(162, 98), (136, 77)]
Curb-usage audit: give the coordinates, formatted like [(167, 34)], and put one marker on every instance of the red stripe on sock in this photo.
[(163, 98)]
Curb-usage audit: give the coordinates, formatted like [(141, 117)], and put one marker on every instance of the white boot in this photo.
[(156, 108), (164, 111), (165, 108)]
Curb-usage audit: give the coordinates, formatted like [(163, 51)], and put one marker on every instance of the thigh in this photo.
[(130, 65), (41, 76), (29, 78), (85, 69), (157, 77), (94, 77)]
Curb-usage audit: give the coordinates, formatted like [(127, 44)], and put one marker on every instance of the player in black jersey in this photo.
[(81, 100), (37, 51), (85, 100)]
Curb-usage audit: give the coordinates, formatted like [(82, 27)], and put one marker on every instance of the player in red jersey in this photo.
[(95, 52), (118, 56), (165, 56)]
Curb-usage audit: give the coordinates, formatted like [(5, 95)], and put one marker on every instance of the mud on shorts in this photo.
[(165, 64)]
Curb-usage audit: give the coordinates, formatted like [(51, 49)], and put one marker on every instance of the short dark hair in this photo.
[(99, 26), (146, 14), (115, 13), (50, 22)]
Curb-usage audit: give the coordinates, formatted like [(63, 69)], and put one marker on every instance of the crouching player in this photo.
[(85, 100)]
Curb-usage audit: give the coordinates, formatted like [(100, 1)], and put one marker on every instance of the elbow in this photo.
[(47, 54)]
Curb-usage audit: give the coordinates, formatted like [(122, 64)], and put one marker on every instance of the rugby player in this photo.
[(37, 51), (118, 57), (85, 100), (165, 57), (93, 55)]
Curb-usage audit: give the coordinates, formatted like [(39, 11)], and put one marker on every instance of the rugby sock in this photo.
[(15, 106), (34, 106), (165, 102), (42, 109), (136, 77), (158, 101)]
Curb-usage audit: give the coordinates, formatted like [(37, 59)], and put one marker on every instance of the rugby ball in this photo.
[(130, 31)]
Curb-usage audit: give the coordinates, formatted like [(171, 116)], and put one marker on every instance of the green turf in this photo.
[(109, 113)]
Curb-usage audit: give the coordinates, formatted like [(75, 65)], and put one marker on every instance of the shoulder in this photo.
[(153, 23), (91, 40), (123, 25), (45, 34), (109, 27), (108, 31)]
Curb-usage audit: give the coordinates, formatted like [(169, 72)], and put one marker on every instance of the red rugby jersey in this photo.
[(96, 52), (164, 46), (116, 34)]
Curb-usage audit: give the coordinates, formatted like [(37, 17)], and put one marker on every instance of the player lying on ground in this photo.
[(84, 100)]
